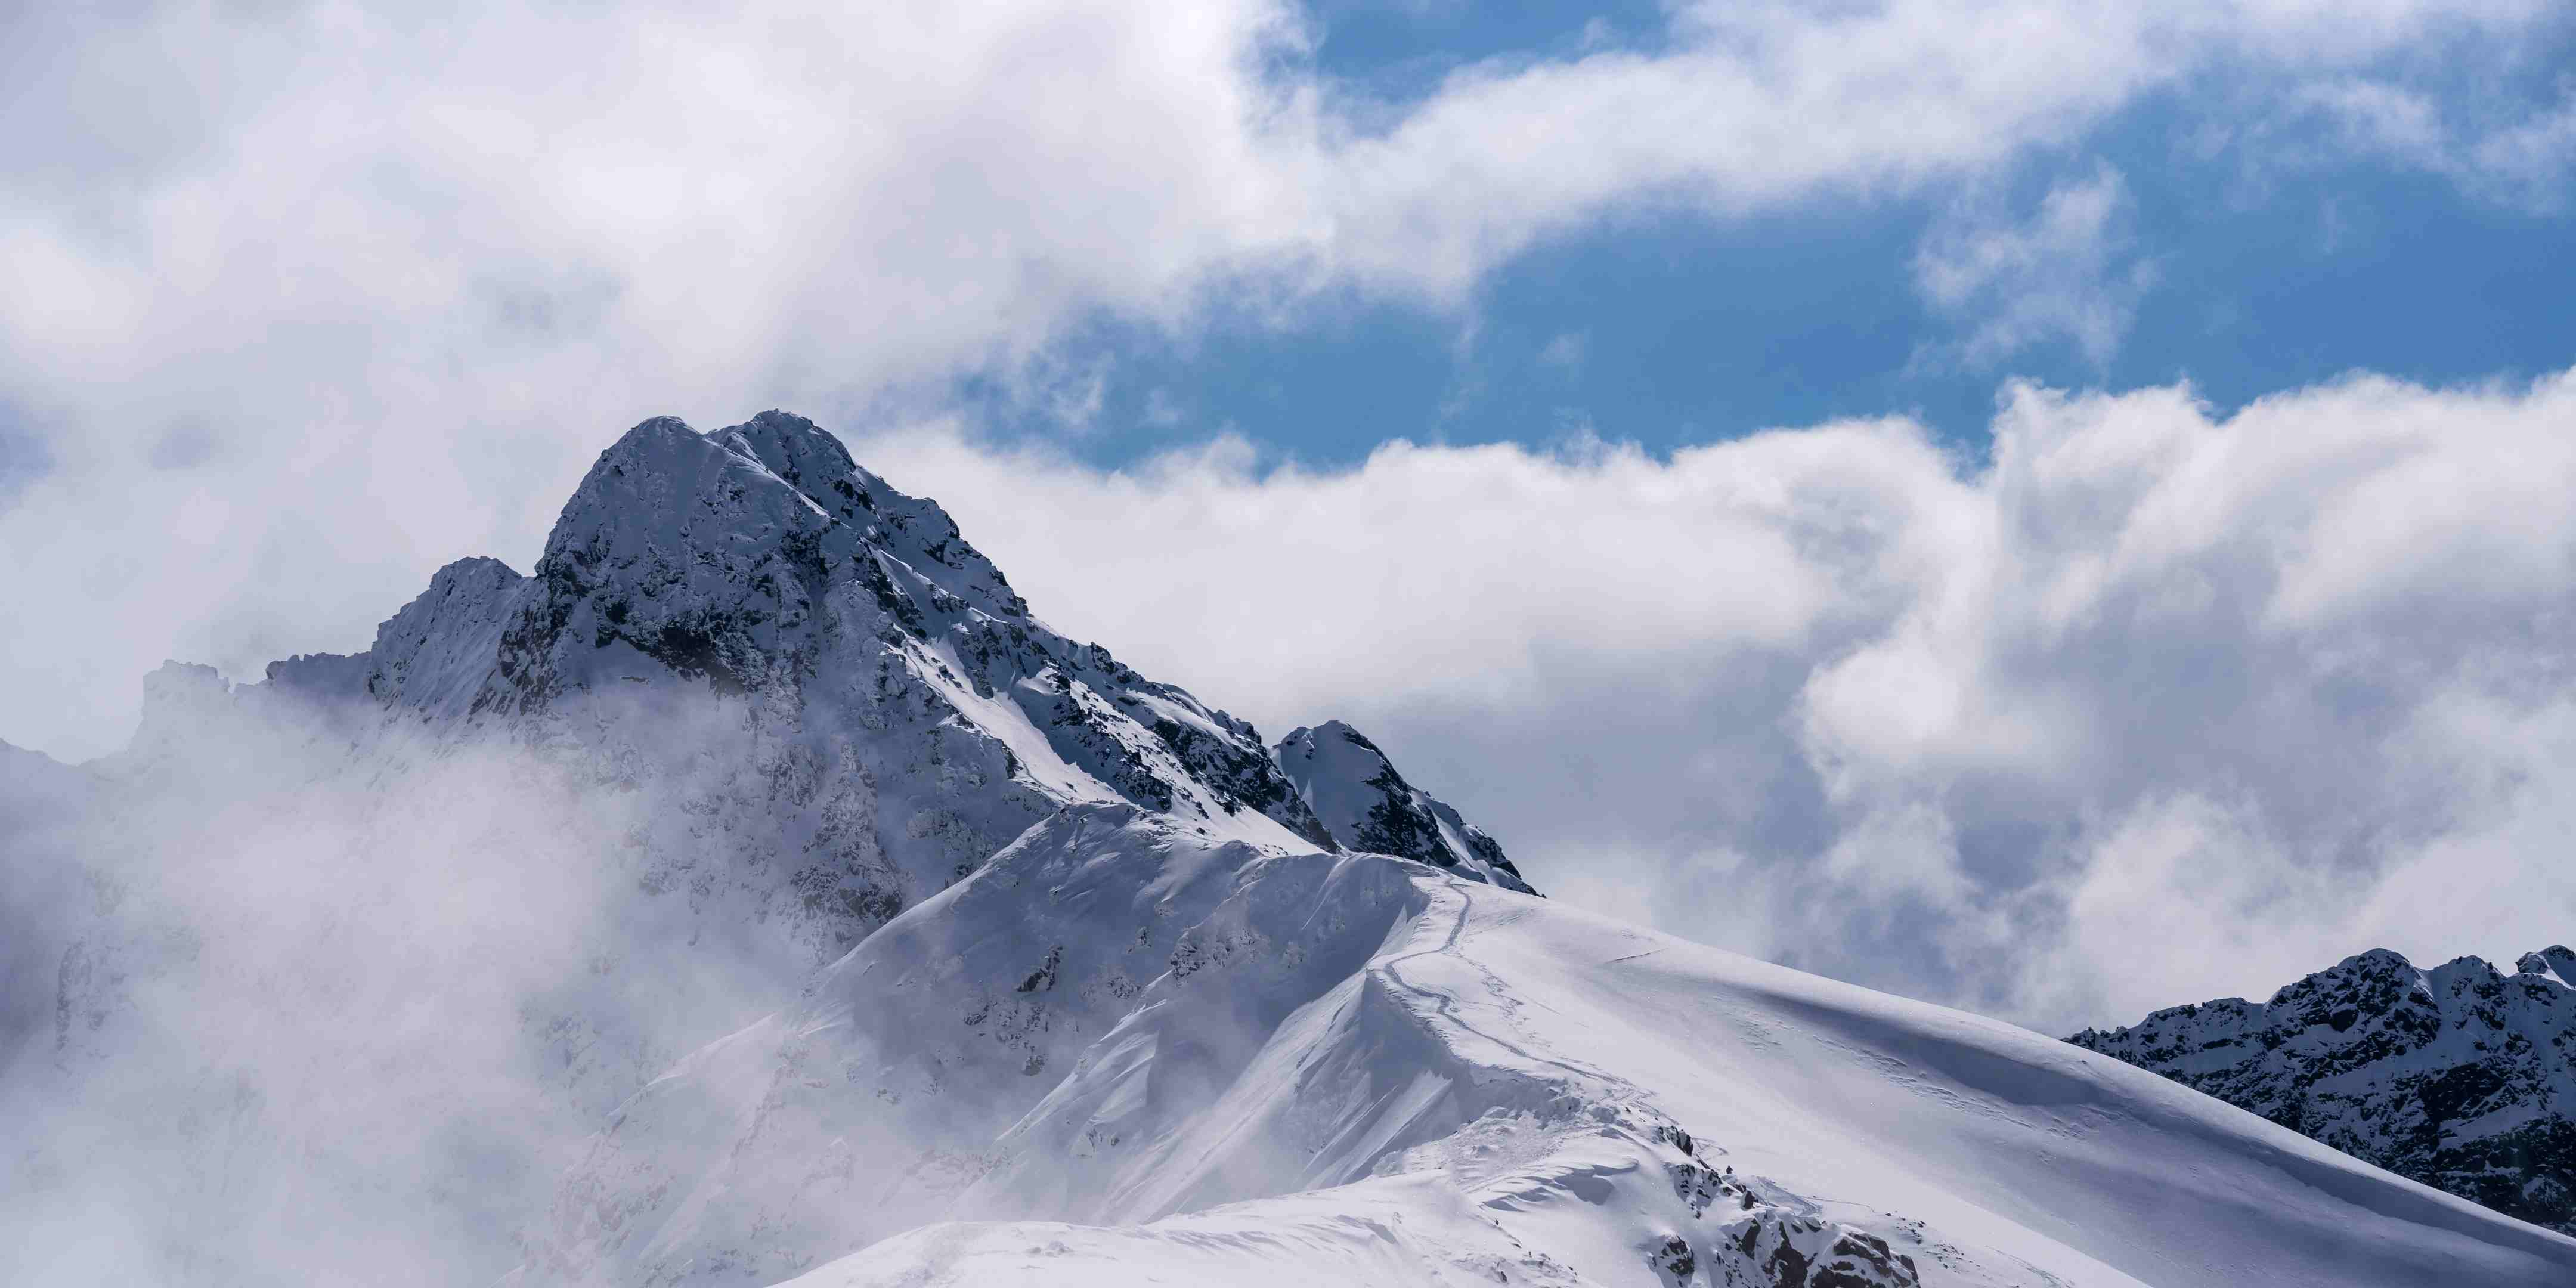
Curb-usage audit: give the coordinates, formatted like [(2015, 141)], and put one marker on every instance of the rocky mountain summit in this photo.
[(888, 713), (2461, 1076)]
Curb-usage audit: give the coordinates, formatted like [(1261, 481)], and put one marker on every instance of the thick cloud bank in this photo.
[(2151, 707), (323, 295)]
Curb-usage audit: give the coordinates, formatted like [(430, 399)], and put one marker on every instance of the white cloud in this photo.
[(2533, 158), (2524, 157), (2160, 706), (2063, 273), (1565, 351)]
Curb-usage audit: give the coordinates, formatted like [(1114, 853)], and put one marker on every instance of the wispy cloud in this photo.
[(2524, 158), (2065, 271), (1565, 352)]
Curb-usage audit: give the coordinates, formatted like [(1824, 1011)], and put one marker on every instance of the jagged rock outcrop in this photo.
[(887, 715), (2461, 1076), (1366, 805)]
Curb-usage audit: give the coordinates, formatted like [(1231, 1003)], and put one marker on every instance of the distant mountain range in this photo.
[(2461, 1076)]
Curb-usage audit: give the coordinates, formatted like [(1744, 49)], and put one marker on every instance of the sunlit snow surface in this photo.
[(1365, 1071)]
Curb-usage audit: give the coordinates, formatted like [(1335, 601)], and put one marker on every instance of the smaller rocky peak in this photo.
[(457, 590), (1365, 804), (2473, 976), (1333, 754), (434, 653), (2556, 964)]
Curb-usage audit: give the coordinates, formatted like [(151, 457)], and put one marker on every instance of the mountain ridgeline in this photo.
[(2461, 1076), (863, 640)]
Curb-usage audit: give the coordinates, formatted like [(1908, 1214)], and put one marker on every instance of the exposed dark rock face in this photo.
[(1754, 1241), (888, 712), (2461, 1077), (1366, 805)]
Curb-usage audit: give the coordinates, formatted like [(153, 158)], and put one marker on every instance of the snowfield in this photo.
[(1371, 1072)]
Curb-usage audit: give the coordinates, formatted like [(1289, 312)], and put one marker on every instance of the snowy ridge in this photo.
[(1355, 1070), (2461, 1077), (1195, 1025)]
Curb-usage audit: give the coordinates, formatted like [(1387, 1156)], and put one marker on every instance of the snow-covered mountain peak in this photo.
[(913, 529), (1366, 805), (875, 665)]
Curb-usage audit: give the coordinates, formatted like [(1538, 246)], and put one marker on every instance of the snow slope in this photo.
[(1357, 1069)]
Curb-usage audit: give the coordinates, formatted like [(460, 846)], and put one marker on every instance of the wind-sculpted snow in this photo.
[(868, 1105), (1352, 1069), (1115, 1021), (2461, 1076), (1366, 805)]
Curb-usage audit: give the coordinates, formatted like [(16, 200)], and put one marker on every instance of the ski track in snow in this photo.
[(1447, 1005)]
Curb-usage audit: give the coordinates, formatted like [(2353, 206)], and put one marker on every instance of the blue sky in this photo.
[(2270, 259)]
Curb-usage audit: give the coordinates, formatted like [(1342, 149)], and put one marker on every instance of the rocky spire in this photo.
[(1366, 805)]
